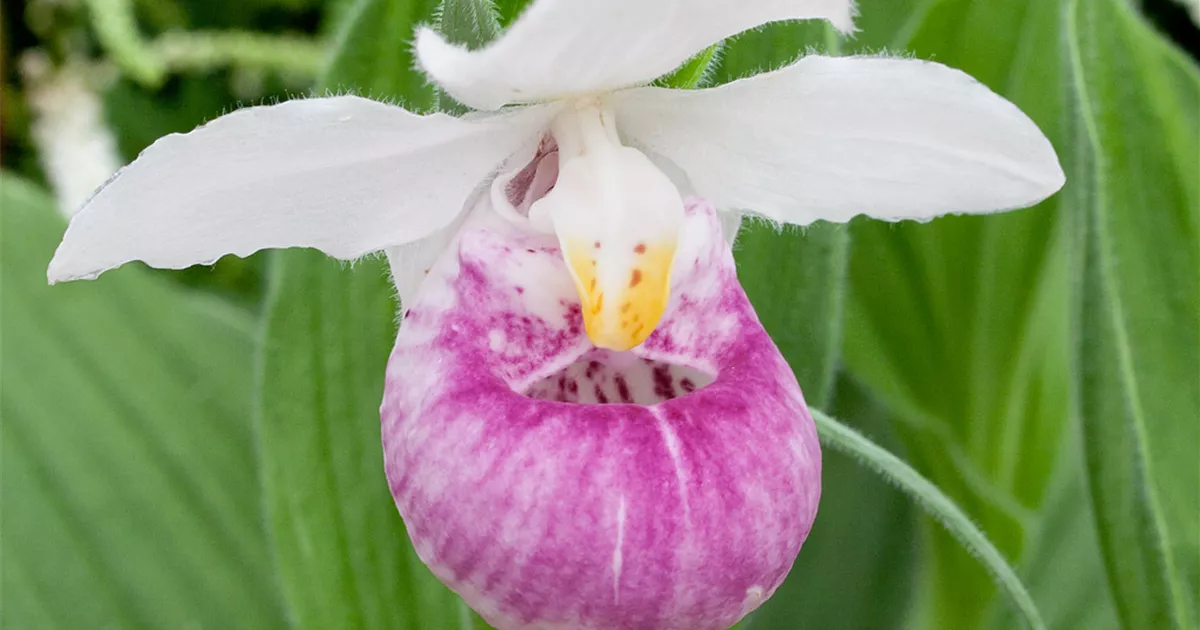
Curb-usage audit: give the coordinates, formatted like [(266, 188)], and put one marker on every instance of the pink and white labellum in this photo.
[(584, 424), (681, 503)]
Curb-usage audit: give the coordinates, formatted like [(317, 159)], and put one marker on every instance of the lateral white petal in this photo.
[(831, 138), (345, 175), (411, 263), (569, 47)]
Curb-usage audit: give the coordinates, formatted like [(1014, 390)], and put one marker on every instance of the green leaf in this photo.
[(471, 23), (345, 559), (960, 324), (795, 279), (773, 46), (131, 496), (1136, 206), (1063, 557), (372, 53), (509, 10), (839, 437), (694, 72)]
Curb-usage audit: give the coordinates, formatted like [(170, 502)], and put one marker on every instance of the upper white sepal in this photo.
[(567, 48)]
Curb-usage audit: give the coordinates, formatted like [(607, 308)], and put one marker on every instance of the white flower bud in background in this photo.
[(75, 146)]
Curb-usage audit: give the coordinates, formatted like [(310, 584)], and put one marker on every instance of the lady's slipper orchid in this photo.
[(555, 257)]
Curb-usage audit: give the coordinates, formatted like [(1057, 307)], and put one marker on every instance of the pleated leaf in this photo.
[(130, 482), (1136, 210)]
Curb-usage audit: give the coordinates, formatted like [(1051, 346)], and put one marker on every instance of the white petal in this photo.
[(345, 175), (830, 138), (569, 47), (411, 263), (731, 224)]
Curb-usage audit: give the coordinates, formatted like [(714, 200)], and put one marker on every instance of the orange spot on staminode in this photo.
[(599, 305), (592, 285), (640, 248), (596, 244), (636, 278), (625, 307), (637, 331)]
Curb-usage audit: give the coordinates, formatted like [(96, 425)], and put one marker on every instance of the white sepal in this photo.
[(561, 48)]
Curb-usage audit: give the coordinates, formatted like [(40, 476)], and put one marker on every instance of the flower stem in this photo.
[(117, 31), (149, 61), (182, 51)]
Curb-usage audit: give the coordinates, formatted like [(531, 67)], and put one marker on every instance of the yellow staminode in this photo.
[(617, 217), (623, 294)]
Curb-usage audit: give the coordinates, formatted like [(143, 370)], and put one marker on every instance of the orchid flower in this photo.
[(584, 424)]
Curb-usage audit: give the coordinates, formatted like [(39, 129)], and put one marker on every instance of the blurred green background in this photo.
[(200, 449)]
